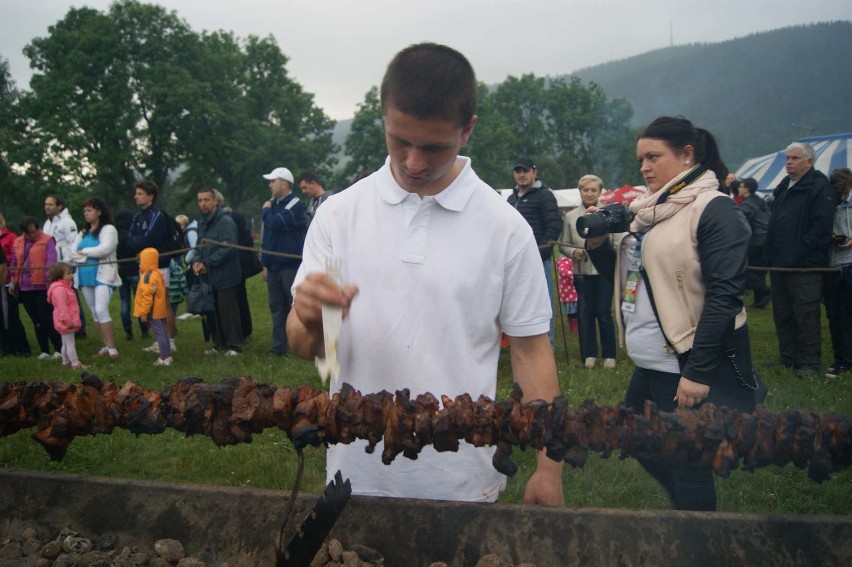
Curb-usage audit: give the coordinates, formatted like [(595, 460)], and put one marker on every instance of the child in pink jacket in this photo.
[(66, 311)]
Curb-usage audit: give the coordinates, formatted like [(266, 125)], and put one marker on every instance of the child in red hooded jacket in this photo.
[(151, 301), (66, 312)]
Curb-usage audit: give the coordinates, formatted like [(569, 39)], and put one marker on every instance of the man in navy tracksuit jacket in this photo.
[(284, 226)]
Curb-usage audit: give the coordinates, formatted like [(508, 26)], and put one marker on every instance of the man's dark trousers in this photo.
[(279, 284), (795, 306)]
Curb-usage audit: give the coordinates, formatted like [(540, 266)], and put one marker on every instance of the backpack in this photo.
[(175, 233), (185, 236)]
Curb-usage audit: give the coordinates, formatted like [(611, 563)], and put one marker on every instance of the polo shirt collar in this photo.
[(454, 197)]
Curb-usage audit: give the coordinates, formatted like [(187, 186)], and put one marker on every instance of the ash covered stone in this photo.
[(170, 549)]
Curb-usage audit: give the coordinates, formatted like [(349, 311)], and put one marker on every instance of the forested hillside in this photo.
[(755, 93)]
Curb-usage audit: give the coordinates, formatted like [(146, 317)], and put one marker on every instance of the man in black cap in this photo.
[(537, 205)]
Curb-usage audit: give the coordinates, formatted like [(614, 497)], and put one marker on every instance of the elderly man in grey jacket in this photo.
[(221, 266)]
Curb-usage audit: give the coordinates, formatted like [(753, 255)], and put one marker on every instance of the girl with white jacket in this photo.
[(97, 273)]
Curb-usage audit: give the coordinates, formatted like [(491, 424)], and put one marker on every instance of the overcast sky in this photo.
[(338, 49)]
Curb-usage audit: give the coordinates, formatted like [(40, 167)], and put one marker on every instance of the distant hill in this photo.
[(756, 94)]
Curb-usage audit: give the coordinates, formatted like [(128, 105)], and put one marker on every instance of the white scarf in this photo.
[(647, 212)]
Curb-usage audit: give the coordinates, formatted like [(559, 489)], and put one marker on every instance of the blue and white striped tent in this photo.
[(831, 152)]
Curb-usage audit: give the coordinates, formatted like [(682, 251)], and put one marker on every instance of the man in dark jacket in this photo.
[(798, 236), (129, 274), (311, 186), (221, 265), (537, 205), (150, 229), (756, 212), (284, 225)]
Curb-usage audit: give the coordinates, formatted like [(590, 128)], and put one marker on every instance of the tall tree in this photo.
[(9, 117), (365, 145), (251, 117), (492, 144), (568, 128), (108, 93)]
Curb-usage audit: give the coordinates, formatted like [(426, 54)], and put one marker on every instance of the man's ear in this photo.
[(468, 130)]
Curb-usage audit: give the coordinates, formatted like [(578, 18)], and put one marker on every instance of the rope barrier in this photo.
[(755, 268), (202, 243), (208, 242)]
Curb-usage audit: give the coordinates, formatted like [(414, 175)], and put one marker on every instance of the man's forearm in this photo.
[(302, 341)]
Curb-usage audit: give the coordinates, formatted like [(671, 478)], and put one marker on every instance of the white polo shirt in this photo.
[(439, 278)]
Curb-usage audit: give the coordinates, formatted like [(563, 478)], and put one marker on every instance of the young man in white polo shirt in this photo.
[(438, 265)]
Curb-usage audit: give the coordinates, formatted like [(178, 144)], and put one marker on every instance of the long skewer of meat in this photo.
[(230, 411)]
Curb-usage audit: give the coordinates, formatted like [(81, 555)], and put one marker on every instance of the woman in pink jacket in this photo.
[(66, 311)]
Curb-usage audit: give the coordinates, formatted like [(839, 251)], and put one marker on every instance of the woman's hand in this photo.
[(595, 241), (690, 393)]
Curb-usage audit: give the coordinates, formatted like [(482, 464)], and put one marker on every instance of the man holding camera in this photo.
[(537, 205)]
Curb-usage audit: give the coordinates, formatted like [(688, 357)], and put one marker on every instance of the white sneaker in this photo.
[(231, 353), (172, 345), (590, 362), (56, 356), (163, 361), (211, 352), (43, 356), (609, 363), (153, 348)]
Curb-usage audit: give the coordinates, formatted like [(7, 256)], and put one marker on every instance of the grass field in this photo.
[(269, 461)]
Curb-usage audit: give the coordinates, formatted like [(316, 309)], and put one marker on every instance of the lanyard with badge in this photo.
[(631, 284), (634, 275)]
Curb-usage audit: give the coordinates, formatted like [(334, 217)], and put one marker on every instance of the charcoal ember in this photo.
[(11, 550), (105, 542), (51, 549)]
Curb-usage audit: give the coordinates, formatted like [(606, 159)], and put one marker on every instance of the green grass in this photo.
[(269, 461)]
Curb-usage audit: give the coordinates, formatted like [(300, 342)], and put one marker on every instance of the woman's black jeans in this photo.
[(690, 487)]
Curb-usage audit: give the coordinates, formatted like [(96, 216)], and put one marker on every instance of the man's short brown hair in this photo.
[(427, 80)]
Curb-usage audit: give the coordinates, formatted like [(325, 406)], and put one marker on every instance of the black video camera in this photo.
[(608, 219)]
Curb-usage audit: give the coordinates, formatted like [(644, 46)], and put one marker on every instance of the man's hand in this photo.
[(690, 393), (534, 369), (267, 204), (198, 268), (846, 245), (545, 485), (304, 324), (316, 289), (265, 274)]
